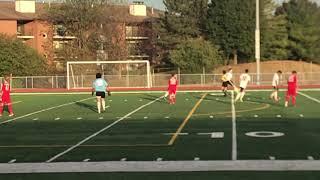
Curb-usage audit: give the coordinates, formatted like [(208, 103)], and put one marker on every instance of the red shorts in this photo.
[(6, 99), (292, 91), (172, 91)]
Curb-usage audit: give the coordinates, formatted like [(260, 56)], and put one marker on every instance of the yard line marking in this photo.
[(174, 137), (170, 134), (12, 161), (310, 158), (234, 130), (86, 160), (309, 97), (43, 110), (102, 130), (17, 102), (272, 158)]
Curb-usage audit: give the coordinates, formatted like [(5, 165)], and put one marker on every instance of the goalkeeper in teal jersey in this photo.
[(100, 87)]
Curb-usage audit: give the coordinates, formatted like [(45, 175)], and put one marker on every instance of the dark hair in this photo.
[(98, 75), (294, 72), (280, 72), (229, 69), (247, 70), (224, 72), (173, 74)]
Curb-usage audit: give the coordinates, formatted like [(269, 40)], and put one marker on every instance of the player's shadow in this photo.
[(151, 97), (214, 98), (87, 106)]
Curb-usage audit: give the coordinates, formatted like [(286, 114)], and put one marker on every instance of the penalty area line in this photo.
[(43, 110), (100, 131)]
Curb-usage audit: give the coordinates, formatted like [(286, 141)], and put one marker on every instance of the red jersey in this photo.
[(292, 85), (292, 80), (5, 91), (172, 87)]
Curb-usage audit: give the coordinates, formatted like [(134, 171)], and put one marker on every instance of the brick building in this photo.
[(23, 20)]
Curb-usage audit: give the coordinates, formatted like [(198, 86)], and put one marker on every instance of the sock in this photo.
[(238, 97), (10, 108), (103, 102), (276, 96), (242, 95), (272, 96), (286, 104), (294, 100), (99, 106), (1, 108), (174, 100)]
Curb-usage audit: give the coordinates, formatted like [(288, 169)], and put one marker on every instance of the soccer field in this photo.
[(143, 127)]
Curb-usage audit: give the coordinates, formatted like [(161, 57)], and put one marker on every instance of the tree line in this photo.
[(198, 33)]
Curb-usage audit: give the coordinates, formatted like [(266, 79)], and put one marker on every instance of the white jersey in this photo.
[(275, 80), (228, 76), (244, 80)]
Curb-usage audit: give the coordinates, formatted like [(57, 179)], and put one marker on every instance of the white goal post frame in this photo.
[(149, 85)]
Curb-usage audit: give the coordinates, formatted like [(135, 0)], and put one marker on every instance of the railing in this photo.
[(157, 80)]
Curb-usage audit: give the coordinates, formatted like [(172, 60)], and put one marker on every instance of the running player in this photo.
[(224, 86), (292, 89), (5, 96), (275, 84), (244, 80), (172, 88), (100, 86)]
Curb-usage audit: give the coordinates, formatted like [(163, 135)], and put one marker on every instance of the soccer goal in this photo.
[(119, 74)]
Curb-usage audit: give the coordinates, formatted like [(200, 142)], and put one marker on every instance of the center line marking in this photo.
[(102, 130), (174, 137)]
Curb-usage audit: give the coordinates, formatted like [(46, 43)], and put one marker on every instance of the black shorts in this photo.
[(101, 94), (226, 83), (241, 89)]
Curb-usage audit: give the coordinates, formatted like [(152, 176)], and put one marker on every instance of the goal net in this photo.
[(120, 74)]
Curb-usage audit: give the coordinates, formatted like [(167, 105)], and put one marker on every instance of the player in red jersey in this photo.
[(5, 96), (172, 88), (292, 89)]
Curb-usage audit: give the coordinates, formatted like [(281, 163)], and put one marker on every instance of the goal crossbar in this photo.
[(148, 73)]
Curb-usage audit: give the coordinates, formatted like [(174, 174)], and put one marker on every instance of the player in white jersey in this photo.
[(275, 85), (244, 80)]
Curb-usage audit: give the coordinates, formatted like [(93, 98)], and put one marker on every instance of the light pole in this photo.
[(257, 41)]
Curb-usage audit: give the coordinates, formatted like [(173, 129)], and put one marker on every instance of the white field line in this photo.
[(234, 129), (17, 102), (102, 130), (309, 97), (161, 166), (43, 110)]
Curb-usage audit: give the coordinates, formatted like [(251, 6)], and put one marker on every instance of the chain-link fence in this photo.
[(156, 80)]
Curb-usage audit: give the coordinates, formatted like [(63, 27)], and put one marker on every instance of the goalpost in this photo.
[(120, 74)]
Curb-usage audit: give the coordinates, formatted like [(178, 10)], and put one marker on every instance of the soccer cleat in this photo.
[(10, 115)]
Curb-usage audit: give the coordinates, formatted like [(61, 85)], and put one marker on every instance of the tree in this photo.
[(19, 59), (303, 29), (274, 33), (231, 24), (182, 20), (194, 54), (94, 26)]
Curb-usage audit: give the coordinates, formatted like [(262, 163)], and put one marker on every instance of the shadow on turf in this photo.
[(87, 106)]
